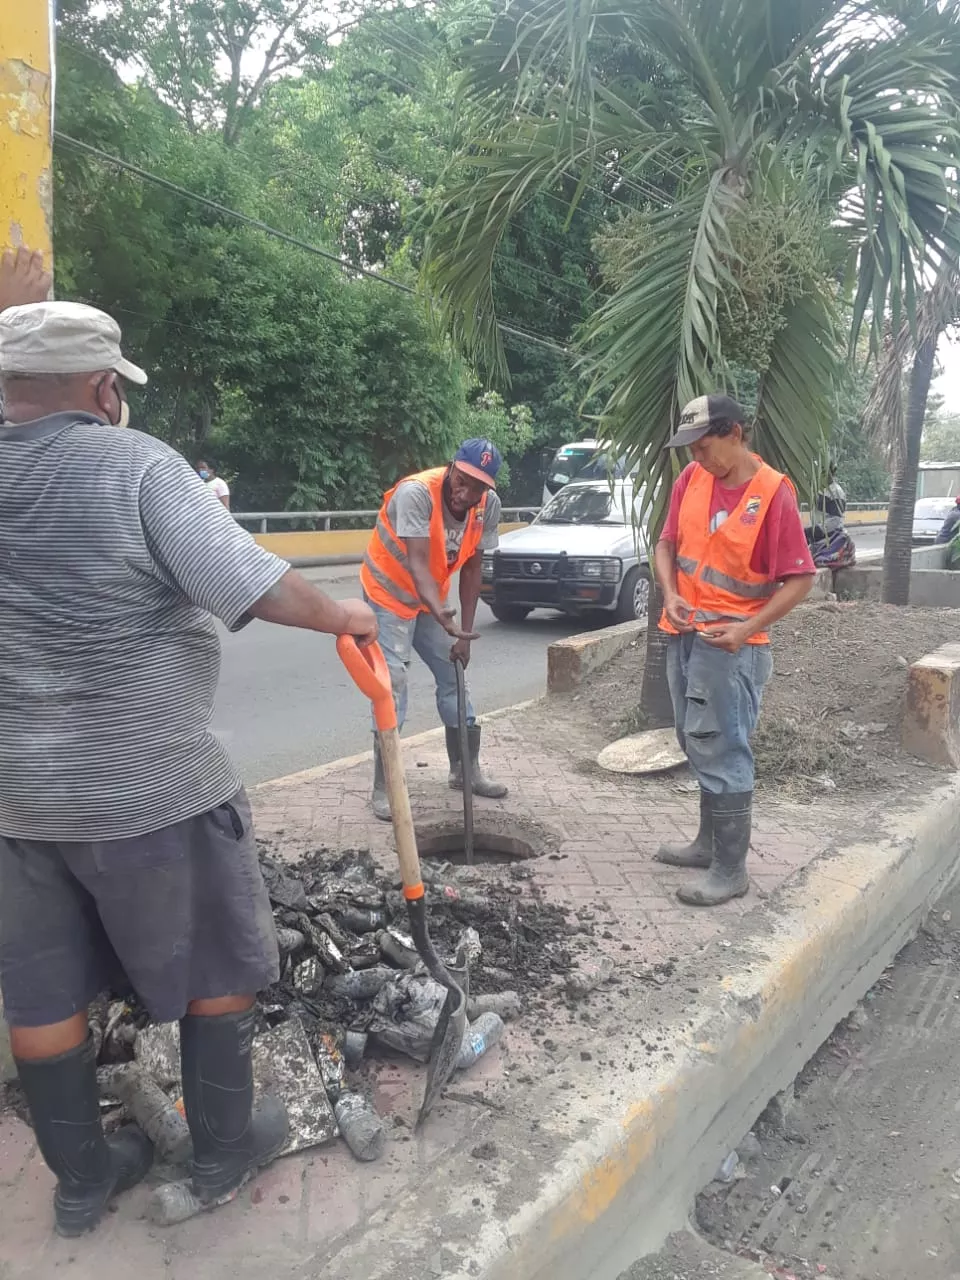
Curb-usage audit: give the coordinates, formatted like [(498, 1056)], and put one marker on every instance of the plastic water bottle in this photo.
[(505, 1003), (362, 921), (360, 984), (479, 1037), (360, 1126), (147, 1104), (175, 1202)]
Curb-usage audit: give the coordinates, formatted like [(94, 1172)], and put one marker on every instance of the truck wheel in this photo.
[(634, 600), (509, 612)]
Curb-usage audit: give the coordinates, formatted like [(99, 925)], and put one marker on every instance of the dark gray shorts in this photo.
[(182, 913)]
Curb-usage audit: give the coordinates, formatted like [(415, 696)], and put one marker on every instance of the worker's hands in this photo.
[(678, 612), (461, 653), (359, 621), (729, 636), (23, 278), (448, 620)]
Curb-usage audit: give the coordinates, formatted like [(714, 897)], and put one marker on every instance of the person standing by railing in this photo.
[(216, 484)]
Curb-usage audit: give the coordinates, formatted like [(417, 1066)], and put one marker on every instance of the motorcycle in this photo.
[(834, 550)]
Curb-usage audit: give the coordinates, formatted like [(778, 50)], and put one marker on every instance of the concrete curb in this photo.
[(571, 660), (620, 1170), (318, 771)]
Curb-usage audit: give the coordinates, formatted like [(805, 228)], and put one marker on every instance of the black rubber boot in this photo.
[(381, 805), (232, 1139), (699, 852), (91, 1169), (727, 877), (482, 786)]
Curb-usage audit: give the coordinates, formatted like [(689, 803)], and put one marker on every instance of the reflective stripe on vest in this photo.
[(714, 576), (411, 601), (385, 572), (749, 590)]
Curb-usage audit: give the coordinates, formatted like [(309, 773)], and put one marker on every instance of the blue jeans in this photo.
[(400, 638), (716, 701)]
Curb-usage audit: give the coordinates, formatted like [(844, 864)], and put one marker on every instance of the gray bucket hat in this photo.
[(62, 337)]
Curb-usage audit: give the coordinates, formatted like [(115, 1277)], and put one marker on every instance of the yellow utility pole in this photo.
[(26, 177), (26, 125)]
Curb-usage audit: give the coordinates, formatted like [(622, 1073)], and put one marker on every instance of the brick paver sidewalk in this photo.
[(303, 1209)]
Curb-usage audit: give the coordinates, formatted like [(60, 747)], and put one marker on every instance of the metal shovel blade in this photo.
[(451, 1025)]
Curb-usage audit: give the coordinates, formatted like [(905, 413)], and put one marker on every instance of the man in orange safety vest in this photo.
[(431, 526), (732, 559)]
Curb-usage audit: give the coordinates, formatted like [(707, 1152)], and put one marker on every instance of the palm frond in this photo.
[(797, 396), (655, 342)]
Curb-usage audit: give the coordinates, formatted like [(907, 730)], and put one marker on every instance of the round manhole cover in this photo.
[(650, 752), (496, 838)]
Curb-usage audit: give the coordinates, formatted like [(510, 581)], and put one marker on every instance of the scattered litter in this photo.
[(505, 1003), (590, 975), (149, 1107), (284, 1065), (361, 1127), (728, 1169), (775, 1191), (854, 732), (157, 1050), (289, 940), (478, 1038), (825, 782), (749, 1147), (350, 981)]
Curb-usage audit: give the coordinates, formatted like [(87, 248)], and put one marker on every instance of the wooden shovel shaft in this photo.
[(401, 813)]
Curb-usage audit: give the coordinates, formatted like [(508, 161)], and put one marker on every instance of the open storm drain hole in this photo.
[(500, 841)]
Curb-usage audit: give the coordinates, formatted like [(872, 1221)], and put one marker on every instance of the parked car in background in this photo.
[(581, 555), (582, 460), (938, 485)]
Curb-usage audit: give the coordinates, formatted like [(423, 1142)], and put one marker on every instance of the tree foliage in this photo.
[(311, 385)]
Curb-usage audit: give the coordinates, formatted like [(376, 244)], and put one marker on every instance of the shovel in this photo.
[(466, 763), (368, 668)]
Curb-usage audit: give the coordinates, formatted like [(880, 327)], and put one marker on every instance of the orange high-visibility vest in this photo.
[(385, 573), (714, 575)]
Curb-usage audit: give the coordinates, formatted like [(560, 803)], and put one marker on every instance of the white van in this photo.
[(582, 460), (938, 486)]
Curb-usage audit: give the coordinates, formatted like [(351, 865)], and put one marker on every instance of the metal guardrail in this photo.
[(325, 518)]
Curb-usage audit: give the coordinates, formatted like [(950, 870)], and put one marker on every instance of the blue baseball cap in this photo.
[(480, 459)]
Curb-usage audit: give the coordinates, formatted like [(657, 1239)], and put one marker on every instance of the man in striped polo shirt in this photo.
[(126, 843)]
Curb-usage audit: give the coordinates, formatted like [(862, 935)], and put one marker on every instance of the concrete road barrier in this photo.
[(931, 724)]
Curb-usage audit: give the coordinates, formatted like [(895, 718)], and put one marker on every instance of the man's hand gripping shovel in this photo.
[(368, 668)]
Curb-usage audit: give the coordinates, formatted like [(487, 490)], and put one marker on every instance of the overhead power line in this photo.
[(258, 224)]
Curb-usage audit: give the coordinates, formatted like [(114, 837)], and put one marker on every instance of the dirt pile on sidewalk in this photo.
[(352, 917), (831, 713)]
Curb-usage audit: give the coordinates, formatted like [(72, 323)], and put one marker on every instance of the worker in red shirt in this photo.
[(732, 559)]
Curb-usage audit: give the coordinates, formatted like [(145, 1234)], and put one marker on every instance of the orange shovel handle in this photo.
[(368, 669)]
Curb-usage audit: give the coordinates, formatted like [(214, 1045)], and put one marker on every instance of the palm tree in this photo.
[(895, 415), (813, 143)]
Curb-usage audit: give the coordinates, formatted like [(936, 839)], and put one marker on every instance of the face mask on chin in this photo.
[(124, 420)]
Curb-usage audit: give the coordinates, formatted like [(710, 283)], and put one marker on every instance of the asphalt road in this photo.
[(867, 1158), (285, 703)]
